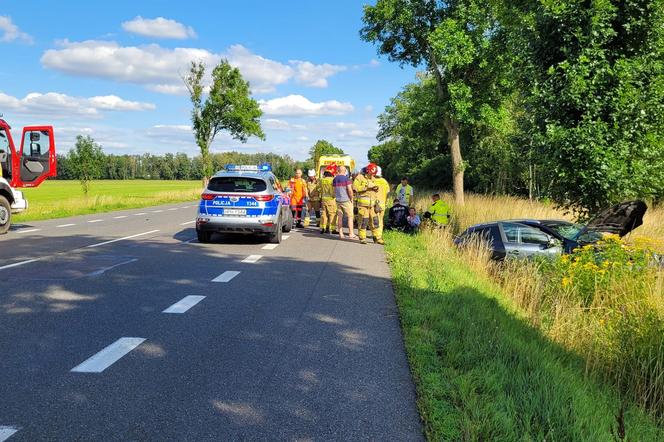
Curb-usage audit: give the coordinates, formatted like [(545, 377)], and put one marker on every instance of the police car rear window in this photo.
[(236, 184)]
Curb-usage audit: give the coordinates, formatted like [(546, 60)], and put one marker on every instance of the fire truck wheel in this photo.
[(5, 215)]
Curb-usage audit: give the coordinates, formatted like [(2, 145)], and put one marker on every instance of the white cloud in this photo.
[(314, 75), (297, 105), (10, 32), (159, 69), (276, 124), (159, 27), (58, 105)]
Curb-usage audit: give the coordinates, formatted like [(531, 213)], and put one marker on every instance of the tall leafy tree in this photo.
[(85, 161), (460, 42), (323, 147), (228, 106), (594, 74)]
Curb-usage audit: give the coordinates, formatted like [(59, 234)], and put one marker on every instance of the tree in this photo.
[(228, 107), (85, 161), (461, 44), (323, 147), (594, 78)]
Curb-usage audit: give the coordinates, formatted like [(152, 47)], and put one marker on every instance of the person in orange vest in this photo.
[(298, 187)]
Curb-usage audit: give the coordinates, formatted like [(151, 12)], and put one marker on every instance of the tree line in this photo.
[(552, 99), (87, 161)]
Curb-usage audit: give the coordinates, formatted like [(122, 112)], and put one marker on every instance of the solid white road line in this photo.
[(108, 356), (120, 217), (106, 269), (64, 225), (121, 239), (226, 276), (139, 214), (285, 237), (16, 264), (269, 246), (6, 432), (252, 258), (95, 220), (28, 231), (184, 304), (188, 222)]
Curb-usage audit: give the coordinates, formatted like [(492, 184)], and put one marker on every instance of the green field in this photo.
[(58, 199)]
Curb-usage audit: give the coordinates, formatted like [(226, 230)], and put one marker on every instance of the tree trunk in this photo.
[(457, 162)]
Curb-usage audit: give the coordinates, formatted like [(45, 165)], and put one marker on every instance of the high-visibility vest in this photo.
[(327, 189), (440, 212), (408, 191), (298, 187)]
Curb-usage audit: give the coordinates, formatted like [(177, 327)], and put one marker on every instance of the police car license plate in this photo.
[(236, 212)]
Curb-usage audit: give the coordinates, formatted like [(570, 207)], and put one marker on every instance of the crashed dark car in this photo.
[(511, 239), (620, 220), (515, 238)]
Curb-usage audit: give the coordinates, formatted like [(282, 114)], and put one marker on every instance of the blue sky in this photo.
[(111, 70)]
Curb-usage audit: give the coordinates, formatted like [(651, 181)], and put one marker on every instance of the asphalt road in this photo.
[(295, 342)]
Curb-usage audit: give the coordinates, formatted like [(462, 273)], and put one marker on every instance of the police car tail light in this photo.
[(208, 196), (263, 198)]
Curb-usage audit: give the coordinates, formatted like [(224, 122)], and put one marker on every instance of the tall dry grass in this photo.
[(604, 303), (484, 208)]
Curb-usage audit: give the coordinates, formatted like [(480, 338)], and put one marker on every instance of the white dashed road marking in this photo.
[(252, 258), (139, 214), (226, 276), (120, 217), (108, 356), (188, 222), (269, 246), (173, 208), (6, 432), (121, 239), (95, 220), (106, 269), (64, 225), (16, 264), (28, 231), (157, 211), (184, 304)]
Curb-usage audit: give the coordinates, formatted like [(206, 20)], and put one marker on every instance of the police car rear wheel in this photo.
[(203, 237), (288, 225), (275, 238)]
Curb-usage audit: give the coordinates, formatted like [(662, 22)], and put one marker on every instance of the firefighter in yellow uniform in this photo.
[(367, 200), (313, 202), (328, 216), (383, 190)]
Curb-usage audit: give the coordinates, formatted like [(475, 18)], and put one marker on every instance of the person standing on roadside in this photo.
[(329, 205), (404, 193), (313, 192), (298, 189), (383, 190), (367, 202), (343, 192)]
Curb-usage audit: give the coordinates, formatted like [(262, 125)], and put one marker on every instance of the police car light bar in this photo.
[(264, 167)]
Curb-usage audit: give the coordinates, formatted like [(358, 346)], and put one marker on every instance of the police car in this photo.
[(244, 199)]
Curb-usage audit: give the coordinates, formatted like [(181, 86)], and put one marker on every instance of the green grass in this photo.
[(482, 372), (58, 199)]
